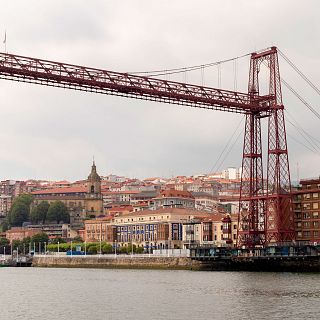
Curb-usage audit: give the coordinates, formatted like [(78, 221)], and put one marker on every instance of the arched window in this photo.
[(92, 189)]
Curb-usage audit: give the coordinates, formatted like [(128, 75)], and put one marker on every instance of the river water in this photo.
[(92, 294)]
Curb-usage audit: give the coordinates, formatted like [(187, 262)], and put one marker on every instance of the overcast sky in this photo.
[(51, 133)]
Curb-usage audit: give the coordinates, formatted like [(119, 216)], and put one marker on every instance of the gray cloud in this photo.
[(53, 133)]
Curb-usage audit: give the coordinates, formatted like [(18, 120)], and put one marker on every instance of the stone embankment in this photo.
[(269, 264), (120, 262)]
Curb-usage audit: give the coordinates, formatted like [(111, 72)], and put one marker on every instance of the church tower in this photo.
[(93, 202), (94, 183)]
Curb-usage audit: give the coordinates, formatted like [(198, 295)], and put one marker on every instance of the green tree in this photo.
[(4, 242), (58, 239), (18, 214), (139, 250), (106, 248), (20, 210), (4, 226), (16, 244), (26, 199), (39, 237), (123, 249), (39, 213), (77, 239), (92, 249), (58, 212)]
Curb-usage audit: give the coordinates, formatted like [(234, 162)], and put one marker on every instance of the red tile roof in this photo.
[(176, 193), (61, 190)]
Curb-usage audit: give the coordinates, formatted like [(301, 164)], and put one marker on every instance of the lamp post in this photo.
[(85, 248), (45, 248), (39, 247), (115, 248)]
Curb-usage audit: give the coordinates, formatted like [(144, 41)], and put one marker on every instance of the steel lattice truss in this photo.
[(265, 204), (56, 74)]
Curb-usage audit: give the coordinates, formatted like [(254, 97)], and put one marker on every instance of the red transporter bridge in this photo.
[(265, 215)]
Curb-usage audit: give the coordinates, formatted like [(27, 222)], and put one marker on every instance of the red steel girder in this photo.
[(265, 215), (57, 74)]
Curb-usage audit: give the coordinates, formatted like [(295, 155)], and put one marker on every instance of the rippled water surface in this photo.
[(75, 294)]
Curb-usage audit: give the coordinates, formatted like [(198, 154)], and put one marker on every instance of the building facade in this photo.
[(80, 201), (155, 229), (306, 206)]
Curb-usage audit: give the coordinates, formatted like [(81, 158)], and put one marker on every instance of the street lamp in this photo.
[(115, 248)]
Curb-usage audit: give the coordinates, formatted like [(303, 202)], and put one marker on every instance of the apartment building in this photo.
[(306, 206)]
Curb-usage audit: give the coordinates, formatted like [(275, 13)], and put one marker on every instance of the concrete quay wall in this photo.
[(120, 262), (265, 264)]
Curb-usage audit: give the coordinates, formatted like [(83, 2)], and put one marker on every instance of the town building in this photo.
[(54, 230), (154, 229), (100, 230), (19, 233), (5, 205), (306, 206), (216, 230), (174, 199), (80, 201)]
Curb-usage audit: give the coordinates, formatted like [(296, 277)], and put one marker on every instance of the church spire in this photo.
[(93, 176)]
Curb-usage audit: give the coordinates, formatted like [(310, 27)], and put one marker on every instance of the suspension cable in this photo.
[(301, 143), (300, 98), (303, 76), (230, 149), (184, 69), (226, 146), (305, 135)]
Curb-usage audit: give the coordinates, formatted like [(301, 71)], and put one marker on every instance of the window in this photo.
[(316, 195), (315, 214), (306, 233), (315, 205)]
